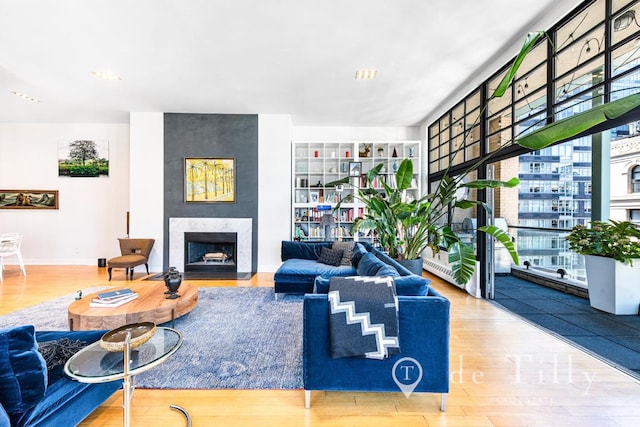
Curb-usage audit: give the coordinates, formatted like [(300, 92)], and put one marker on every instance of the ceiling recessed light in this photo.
[(24, 96), (366, 74), (106, 75)]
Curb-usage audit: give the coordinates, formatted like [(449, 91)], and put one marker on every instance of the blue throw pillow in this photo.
[(412, 285), (23, 372), (358, 251), (369, 265), (387, 270)]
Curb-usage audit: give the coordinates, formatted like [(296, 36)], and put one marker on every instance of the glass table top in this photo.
[(93, 364)]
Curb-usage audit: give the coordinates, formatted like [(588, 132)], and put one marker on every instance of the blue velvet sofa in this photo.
[(423, 361), (33, 395), (301, 272)]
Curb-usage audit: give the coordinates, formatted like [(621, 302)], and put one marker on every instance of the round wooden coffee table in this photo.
[(150, 306)]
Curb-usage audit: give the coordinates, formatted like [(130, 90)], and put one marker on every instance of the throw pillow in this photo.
[(358, 251), (347, 254), (330, 256), (369, 265), (23, 372), (387, 270), (412, 285)]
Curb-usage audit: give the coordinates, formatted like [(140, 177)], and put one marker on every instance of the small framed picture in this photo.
[(355, 168), (314, 196)]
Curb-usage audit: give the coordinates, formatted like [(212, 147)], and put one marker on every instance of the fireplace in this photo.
[(210, 251), (241, 227)]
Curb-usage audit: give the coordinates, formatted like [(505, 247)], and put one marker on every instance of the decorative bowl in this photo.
[(115, 340)]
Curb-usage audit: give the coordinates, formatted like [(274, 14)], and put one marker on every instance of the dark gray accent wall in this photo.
[(211, 135)]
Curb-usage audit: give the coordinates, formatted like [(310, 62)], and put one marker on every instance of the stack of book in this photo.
[(113, 298)]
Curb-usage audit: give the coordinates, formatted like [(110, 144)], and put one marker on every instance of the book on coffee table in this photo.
[(113, 302), (114, 294)]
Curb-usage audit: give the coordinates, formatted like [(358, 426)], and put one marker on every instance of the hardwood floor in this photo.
[(504, 372)]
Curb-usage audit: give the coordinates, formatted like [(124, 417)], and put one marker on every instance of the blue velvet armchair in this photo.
[(423, 361)]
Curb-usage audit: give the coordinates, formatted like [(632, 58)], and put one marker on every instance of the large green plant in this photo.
[(619, 240), (405, 228)]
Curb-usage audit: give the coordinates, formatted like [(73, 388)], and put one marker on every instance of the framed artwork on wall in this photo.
[(83, 158), (355, 168), (209, 180), (28, 199)]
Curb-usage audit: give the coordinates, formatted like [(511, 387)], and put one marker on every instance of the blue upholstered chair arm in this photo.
[(424, 336)]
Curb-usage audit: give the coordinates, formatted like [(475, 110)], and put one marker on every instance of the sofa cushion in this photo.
[(330, 256), (369, 265), (305, 271), (358, 251), (23, 372), (347, 251), (301, 250), (411, 285), (387, 270)]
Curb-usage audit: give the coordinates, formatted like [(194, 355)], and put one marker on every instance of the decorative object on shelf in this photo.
[(346, 154), (355, 169), (172, 280), (28, 199), (395, 166), (315, 153), (209, 180), (116, 340), (410, 151), (83, 158), (380, 152), (365, 151), (610, 248), (395, 152), (343, 167)]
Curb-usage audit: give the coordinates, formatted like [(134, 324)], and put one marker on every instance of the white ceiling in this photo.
[(294, 57)]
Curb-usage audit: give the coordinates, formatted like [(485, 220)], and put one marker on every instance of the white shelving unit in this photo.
[(315, 164)]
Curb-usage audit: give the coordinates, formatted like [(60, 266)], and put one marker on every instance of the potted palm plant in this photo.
[(405, 228), (609, 249)]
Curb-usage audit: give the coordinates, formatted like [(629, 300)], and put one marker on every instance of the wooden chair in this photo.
[(134, 252)]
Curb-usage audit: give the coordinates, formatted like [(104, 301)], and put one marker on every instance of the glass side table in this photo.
[(93, 364)]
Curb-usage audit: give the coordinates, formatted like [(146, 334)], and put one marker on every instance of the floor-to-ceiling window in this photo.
[(592, 57)]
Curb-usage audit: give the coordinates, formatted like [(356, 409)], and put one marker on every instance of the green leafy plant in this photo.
[(619, 240), (405, 228)]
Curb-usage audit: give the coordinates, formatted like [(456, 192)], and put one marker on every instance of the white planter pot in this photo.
[(613, 286)]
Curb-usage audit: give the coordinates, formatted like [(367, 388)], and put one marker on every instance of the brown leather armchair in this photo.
[(134, 252)]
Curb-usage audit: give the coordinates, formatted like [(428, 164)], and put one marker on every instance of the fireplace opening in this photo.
[(210, 252)]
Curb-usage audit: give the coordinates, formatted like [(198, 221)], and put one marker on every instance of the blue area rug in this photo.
[(614, 339), (236, 338)]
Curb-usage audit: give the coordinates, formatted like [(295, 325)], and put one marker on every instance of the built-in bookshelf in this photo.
[(317, 164)]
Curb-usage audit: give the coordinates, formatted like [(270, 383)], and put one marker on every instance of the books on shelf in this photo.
[(113, 300)]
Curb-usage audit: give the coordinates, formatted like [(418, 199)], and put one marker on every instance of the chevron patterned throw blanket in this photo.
[(364, 317)]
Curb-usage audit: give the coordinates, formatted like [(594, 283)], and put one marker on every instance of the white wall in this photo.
[(147, 182), (91, 214), (274, 188)]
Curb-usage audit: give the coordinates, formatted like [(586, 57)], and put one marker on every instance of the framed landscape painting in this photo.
[(83, 158), (209, 180), (28, 199)]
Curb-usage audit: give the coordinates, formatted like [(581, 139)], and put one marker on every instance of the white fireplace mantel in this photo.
[(241, 226)]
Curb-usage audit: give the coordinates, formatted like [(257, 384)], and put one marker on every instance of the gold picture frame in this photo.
[(209, 180), (28, 199)]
